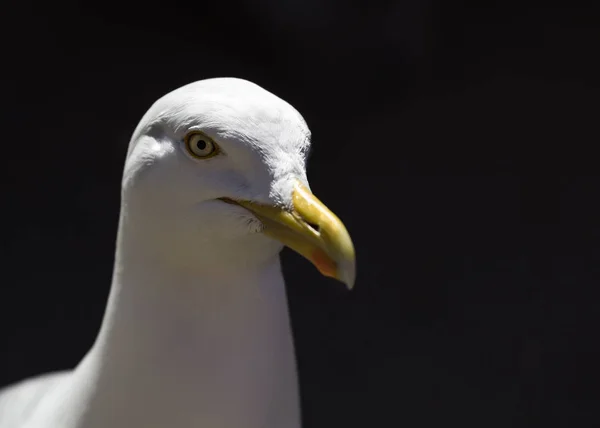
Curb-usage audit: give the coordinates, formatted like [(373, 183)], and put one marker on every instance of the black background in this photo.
[(455, 139)]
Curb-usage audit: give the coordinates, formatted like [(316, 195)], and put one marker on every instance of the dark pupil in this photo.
[(201, 145)]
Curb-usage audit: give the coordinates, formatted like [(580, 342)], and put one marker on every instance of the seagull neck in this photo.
[(194, 349)]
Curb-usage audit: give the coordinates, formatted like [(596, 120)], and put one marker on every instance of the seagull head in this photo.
[(215, 176)]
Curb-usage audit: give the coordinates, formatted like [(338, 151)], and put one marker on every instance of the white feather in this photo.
[(196, 331)]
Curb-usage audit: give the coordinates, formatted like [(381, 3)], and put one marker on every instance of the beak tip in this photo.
[(347, 275)]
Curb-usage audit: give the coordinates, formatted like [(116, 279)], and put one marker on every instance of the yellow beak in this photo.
[(311, 230)]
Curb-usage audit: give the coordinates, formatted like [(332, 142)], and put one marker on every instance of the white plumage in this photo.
[(196, 331)]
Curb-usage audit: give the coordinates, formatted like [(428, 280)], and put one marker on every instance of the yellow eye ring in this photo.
[(200, 145)]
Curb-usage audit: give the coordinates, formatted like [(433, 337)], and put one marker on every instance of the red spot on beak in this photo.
[(324, 263)]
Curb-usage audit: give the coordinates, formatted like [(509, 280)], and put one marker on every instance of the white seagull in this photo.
[(196, 332)]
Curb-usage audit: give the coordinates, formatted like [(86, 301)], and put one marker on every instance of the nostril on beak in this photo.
[(314, 226)]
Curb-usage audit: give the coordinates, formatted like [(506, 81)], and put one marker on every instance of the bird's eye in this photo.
[(200, 146)]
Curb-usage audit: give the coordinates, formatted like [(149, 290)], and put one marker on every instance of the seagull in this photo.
[(196, 331)]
